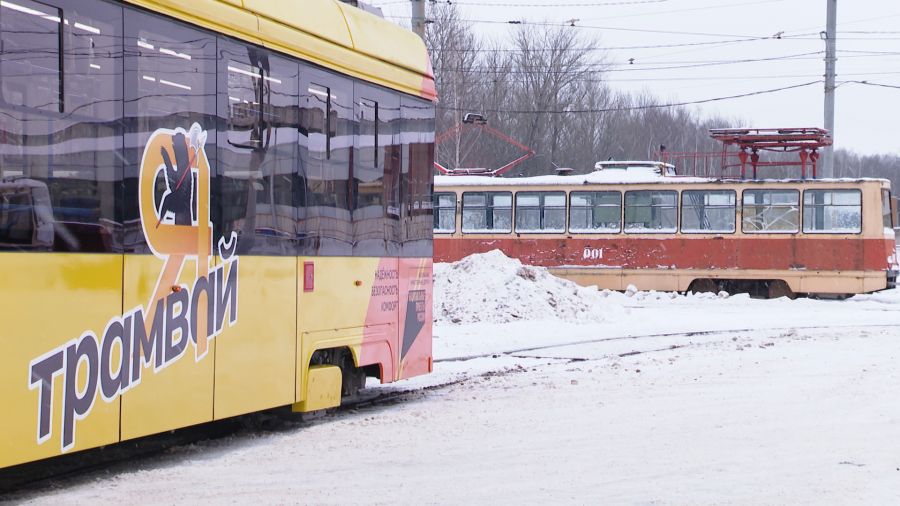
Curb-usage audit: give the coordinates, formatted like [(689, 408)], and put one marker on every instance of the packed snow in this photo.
[(490, 287), (544, 391)]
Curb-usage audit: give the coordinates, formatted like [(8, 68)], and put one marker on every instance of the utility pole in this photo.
[(418, 17), (830, 64)]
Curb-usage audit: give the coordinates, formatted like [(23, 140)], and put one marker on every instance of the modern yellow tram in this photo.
[(207, 208)]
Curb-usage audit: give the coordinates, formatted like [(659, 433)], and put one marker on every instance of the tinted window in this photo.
[(258, 150), (887, 216), (708, 211), (487, 212), (832, 211), (376, 173), (61, 139), (595, 212), (170, 82), (31, 54), (540, 212), (417, 139), (650, 211), (445, 212), (771, 211), (326, 141)]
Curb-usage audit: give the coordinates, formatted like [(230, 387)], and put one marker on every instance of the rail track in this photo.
[(60, 471)]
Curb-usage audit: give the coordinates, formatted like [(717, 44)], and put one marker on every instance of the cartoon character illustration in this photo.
[(177, 201)]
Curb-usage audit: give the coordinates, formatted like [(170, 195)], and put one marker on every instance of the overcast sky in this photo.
[(867, 117)]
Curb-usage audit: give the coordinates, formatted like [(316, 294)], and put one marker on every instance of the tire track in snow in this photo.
[(693, 333)]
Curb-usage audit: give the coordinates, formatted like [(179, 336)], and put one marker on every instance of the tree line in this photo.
[(547, 90)]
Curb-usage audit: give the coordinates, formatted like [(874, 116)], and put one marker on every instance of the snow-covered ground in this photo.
[(547, 392)]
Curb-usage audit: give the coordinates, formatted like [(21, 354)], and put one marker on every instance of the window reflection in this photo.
[(60, 146)]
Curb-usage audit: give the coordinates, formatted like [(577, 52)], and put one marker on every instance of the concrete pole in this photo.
[(418, 17), (830, 64)]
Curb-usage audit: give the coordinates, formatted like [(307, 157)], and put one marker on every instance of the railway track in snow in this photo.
[(669, 335), (57, 472)]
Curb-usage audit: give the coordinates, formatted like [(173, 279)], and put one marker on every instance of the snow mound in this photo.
[(493, 288)]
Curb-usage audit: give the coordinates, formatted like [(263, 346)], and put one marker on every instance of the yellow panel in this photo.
[(337, 301), (283, 38), (180, 393), (224, 16), (255, 360), (318, 32), (321, 18), (386, 41), (323, 389), (53, 299), (333, 313)]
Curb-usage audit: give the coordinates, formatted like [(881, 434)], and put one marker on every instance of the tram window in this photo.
[(327, 130), (650, 211), (390, 152), (595, 212), (258, 151), (25, 215), (375, 187), (417, 166), (771, 211), (31, 32), (541, 212), (887, 216), (367, 185), (170, 83), (61, 174), (832, 211), (316, 120), (445, 213), (487, 212), (708, 211)]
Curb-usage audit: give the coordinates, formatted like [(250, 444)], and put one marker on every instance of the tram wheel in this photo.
[(704, 286)]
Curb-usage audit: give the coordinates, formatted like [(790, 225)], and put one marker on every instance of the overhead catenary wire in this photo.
[(867, 83), (605, 48), (605, 67), (632, 108), (538, 4), (572, 24), (585, 80)]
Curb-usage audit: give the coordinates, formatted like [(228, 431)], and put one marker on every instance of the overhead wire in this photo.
[(605, 67), (540, 4), (867, 83), (545, 4), (638, 107), (521, 80)]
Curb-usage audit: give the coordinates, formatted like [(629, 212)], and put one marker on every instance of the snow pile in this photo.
[(493, 288), (891, 296)]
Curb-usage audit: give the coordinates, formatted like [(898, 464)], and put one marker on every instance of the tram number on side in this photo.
[(592, 254)]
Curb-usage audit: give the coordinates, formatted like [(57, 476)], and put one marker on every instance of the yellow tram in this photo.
[(207, 208)]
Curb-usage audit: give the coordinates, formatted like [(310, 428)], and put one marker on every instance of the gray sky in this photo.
[(866, 116)]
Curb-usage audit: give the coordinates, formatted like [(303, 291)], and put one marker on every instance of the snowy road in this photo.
[(772, 402)]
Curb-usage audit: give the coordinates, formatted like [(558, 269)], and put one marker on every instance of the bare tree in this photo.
[(547, 91), (455, 53)]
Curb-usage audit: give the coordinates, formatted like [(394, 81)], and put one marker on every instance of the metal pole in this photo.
[(830, 64), (418, 17)]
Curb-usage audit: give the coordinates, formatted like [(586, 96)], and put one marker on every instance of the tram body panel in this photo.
[(58, 298), (809, 261), (189, 327), (176, 388), (255, 359)]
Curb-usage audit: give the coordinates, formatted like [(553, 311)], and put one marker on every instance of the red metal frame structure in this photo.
[(749, 143), (458, 129)]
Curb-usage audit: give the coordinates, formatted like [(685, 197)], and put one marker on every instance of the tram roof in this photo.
[(329, 33), (621, 177)]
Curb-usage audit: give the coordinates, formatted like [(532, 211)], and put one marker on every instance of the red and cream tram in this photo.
[(634, 223)]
